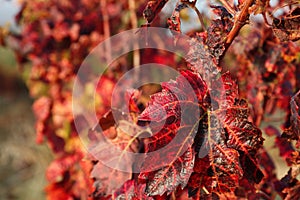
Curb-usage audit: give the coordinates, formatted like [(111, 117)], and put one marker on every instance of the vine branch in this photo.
[(200, 17), (106, 28), (239, 22)]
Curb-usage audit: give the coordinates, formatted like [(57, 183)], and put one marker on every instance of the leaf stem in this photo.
[(200, 17)]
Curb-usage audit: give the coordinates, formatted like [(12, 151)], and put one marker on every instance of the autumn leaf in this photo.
[(231, 140), (241, 137), (173, 142)]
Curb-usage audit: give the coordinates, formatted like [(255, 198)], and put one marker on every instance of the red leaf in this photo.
[(232, 140), (175, 160), (289, 185), (54, 191), (293, 192)]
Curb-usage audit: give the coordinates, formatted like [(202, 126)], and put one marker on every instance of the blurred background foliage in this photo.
[(22, 162)]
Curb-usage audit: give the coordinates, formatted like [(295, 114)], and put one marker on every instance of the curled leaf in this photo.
[(293, 132)]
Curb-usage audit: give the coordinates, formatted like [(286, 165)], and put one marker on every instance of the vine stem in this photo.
[(134, 24), (106, 28), (136, 51), (200, 17), (239, 22)]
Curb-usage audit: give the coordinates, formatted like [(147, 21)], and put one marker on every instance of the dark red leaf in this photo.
[(232, 141), (293, 192), (224, 161), (288, 186), (175, 161)]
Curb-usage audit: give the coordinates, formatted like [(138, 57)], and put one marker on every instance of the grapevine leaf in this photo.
[(177, 159), (241, 135), (56, 170), (293, 189), (224, 161), (108, 179), (232, 143), (42, 110), (293, 192)]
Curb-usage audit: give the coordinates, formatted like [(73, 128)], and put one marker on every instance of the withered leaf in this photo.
[(288, 27), (174, 21)]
